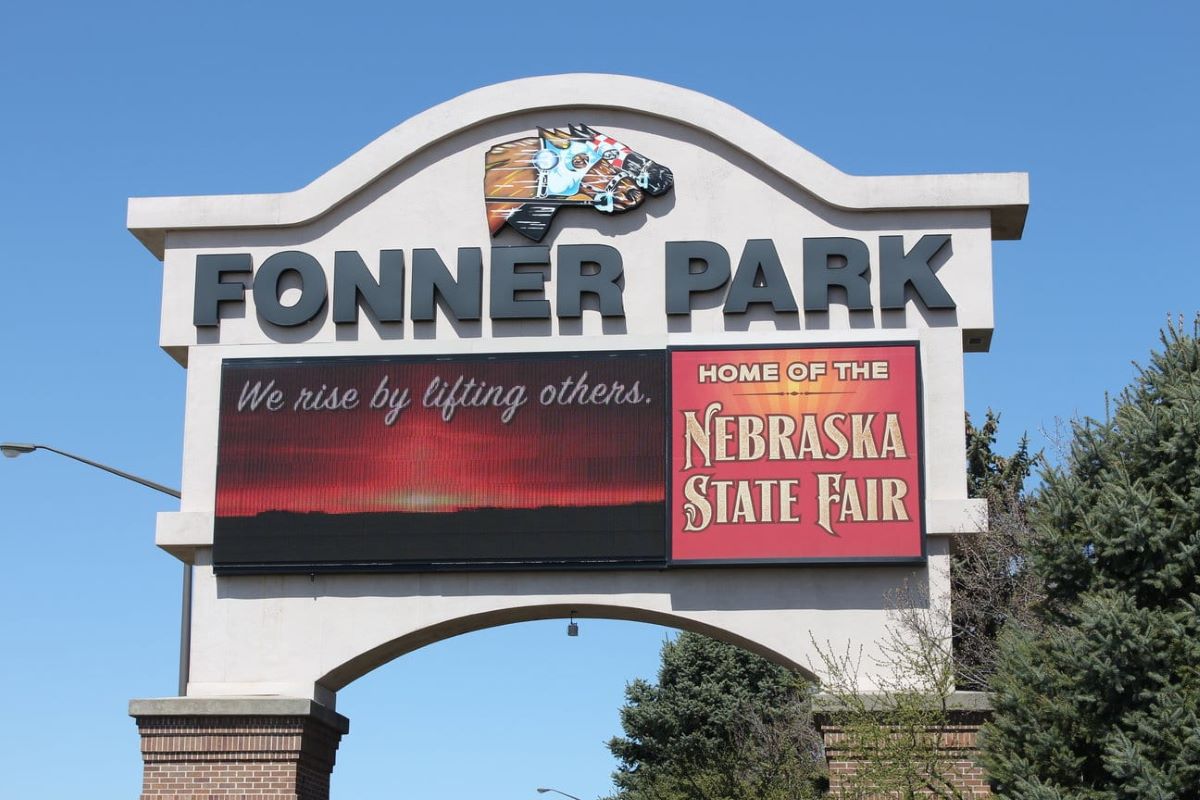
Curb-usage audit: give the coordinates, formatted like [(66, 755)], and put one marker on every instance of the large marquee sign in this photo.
[(561, 460)]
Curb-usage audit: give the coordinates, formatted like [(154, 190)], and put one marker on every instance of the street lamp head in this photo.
[(543, 791), (14, 449)]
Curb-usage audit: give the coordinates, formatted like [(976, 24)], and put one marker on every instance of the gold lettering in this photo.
[(743, 503), (721, 488), (827, 484), (810, 440), (851, 503), (697, 510), (787, 500), (764, 494), (893, 439), (780, 427), (751, 445), (894, 492), (834, 433), (697, 435), (724, 437), (860, 435)]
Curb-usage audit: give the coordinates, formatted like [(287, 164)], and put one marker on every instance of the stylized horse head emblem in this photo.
[(526, 181)]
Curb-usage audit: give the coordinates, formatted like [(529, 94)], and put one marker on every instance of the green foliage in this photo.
[(720, 724), (991, 583), (998, 479), (1102, 700)]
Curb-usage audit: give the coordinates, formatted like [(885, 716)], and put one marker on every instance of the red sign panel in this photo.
[(796, 454)]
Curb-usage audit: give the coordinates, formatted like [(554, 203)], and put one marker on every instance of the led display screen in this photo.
[(397, 463), (796, 454)]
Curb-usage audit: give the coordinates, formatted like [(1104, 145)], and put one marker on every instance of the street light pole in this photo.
[(15, 449), (543, 790)]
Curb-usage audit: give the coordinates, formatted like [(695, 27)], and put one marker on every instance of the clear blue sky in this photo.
[(98, 102)]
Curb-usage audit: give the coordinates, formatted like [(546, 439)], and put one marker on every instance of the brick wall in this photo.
[(951, 758), (236, 757)]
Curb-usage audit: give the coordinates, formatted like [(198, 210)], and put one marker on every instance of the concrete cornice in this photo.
[(258, 706), (959, 701), (1006, 195)]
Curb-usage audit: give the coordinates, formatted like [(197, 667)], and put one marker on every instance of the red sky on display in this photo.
[(348, 461)]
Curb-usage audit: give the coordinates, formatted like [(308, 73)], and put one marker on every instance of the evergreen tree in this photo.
[(1102, 700), (998, 479), (991, 583), (721, 723)]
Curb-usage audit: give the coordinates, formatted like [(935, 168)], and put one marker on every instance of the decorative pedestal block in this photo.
[(259, 748)]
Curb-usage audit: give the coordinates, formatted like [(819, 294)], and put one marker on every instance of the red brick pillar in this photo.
[(255, 748), (952, 750)]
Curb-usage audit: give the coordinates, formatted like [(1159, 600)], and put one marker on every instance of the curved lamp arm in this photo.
[(14, 449)]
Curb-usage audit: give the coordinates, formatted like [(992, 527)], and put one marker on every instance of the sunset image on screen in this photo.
[(345, 445)]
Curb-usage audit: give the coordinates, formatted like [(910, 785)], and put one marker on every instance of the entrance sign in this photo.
[(796, 454), (393, 463), (502, 365)]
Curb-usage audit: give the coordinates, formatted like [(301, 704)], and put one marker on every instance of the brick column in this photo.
[(954, 747), (234, 748)]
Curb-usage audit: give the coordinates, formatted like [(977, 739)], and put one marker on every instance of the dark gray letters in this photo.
[(211, 291), (463, 297), (898, 270), (759, 279), (507, 282), (313, 291), (353, 285), (820, 274), (573, 283), (682, 282), (518, 278)]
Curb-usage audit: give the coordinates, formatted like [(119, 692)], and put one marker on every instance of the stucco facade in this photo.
[(418, 186)]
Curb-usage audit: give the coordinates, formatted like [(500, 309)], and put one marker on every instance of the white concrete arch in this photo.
[(269, 652), (364, 663), (418, 186), (301, 636)]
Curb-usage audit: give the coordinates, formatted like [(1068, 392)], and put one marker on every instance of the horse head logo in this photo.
[(526, 181)]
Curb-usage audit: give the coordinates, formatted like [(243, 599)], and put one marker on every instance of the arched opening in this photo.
[(498, 709), (375, 657)]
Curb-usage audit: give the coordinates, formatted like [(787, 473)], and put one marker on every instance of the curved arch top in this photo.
[(362, 663), (1005, 195)]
